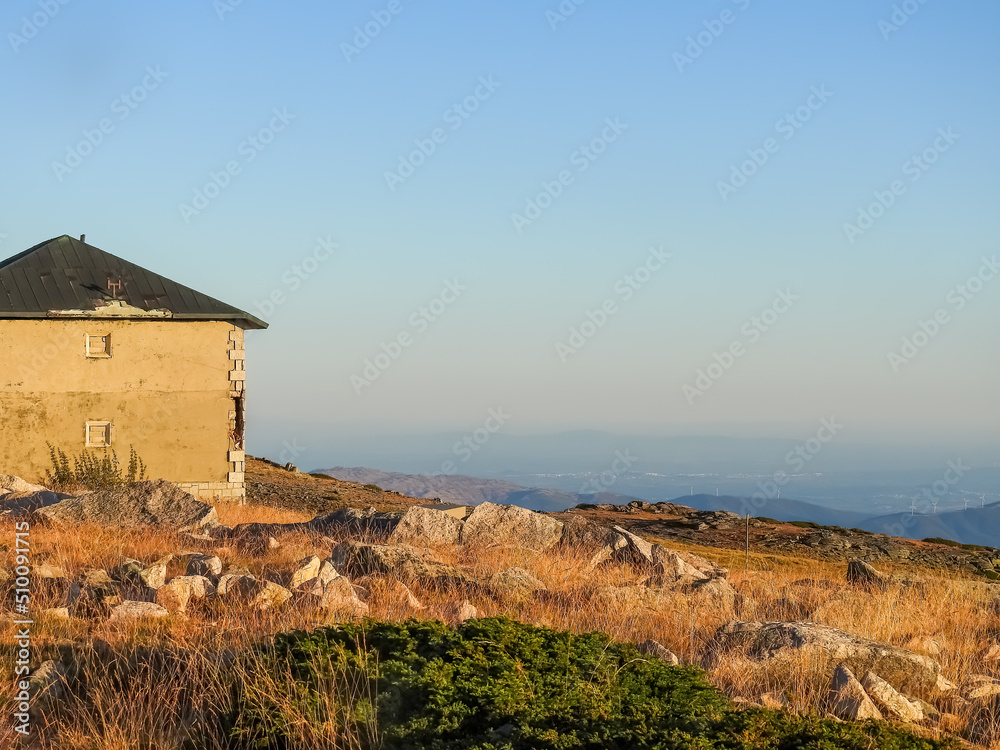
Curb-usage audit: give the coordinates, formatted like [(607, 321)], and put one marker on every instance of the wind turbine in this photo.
[(966, 502), (913, 507), (935, 506), (982, 498)]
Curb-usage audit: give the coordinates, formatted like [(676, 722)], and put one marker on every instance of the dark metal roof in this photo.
[(64, 274)]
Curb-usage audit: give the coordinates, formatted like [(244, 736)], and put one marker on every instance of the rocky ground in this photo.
[(913, 639), (273, 485), (725, 530)]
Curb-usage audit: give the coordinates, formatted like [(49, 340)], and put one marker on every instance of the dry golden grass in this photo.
[(153, 711)]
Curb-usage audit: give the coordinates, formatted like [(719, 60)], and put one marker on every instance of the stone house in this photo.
[(99, 354)]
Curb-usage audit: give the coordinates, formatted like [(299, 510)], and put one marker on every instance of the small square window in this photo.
[(98, 434), (98, 345)]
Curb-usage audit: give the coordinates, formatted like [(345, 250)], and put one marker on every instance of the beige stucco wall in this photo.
[(167, 389)]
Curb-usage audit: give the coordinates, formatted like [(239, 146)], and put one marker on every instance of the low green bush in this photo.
[(496, 683)]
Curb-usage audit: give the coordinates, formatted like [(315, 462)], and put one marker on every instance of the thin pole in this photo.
[(746, 565)]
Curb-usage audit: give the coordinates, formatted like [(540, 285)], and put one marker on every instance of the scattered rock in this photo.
[(15, 505), (892, 703), (93, 593), (715, 594), (492, 525), (158, 503), (12, 484), (47, 571), (657, 649), (354, 521), (516, 583), (636, 549), (222, 586), (204, 565), (600, 542), (848, 698), (253, 593), (992, 654), (137, 610), (673, 569), (174, 596), (403, 596), (48, 683), (339, 595), (404, 562), (427, 527), (860, 573), (458, 613), (306, 570), (915, 674), (980, 686)]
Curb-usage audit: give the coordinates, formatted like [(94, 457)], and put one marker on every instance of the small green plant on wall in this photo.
[(92, 471)]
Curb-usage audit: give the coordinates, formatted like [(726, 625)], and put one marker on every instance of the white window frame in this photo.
[(106, 354), (90, 426)]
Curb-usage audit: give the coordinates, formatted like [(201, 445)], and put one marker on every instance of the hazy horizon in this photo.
[(734, 219)]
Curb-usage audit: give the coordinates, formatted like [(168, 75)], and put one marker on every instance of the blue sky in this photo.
[(864, 100)]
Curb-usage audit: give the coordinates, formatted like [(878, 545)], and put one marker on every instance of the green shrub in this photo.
[(92, 471), (806, 524), (950, 543), (373, 487), (495, 683)]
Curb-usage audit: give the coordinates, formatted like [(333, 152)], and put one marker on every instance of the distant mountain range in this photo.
[(780, 509), (973, 526), (453, 488), (594, 451), (977, 525)]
